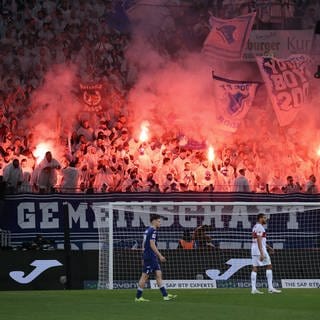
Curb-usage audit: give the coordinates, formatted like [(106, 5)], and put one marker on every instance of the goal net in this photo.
[(208, 244)]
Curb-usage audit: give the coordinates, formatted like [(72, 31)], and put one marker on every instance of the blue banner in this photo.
[(291, 225)]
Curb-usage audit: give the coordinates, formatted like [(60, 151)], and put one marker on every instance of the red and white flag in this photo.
[(228, 38)]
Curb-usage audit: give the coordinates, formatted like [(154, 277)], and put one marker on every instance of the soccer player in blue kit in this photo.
[(151, 257)]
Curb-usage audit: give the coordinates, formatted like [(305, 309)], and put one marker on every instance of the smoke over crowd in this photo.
[(160, 78)]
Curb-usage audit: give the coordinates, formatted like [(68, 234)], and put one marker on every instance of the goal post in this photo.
[(104, 220), (207, 244)]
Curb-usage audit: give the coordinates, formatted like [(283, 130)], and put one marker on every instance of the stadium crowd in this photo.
[(103, 155)]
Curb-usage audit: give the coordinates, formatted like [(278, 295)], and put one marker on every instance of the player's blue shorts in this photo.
[(150, 266)]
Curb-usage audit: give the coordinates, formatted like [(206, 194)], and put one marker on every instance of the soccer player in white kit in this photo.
[(260, 256)]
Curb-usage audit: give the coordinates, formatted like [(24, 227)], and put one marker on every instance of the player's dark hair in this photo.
[(154, 217), (260, 215)]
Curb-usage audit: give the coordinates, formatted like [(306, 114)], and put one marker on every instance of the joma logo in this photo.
[(40, 267), (236, 265)]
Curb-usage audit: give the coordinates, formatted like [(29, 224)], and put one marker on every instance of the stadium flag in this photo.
[(228, 38), (233, 100), (287, 84)]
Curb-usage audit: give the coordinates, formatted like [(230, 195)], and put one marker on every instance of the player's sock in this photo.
[(139, 293), (163, 291), (269, 278), (253, 280)]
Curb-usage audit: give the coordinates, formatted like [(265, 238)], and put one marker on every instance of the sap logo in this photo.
[(236, 265), (40, 267)]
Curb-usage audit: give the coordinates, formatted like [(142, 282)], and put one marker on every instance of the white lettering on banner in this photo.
[(263, 46), (167, 219), (141, 216), (101, 213), (186, 284), (186, 220), (299, 45), (121, 221), (293, 224), (216, 213), (267, 209), (48, 222), (26, 218), (237, 217), (290, 77), (287, 84), (78, 214), (300, 283), (30, 215), (40, 267), (278, 43), (236, 265)]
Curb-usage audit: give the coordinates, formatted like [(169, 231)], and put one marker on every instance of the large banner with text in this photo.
[(287, 83), (278, 43), (290, 225)]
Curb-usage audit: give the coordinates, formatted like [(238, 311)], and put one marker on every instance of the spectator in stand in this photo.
[(229, 173), (27, 172), (127, 183), (251, 175), (241, 183), (47, 177), (144, 162), (275, 182), (70, 177), (188, 177), (169, 180), (85, 130), (178, 163), (208, 182), (174, 187), (135, 186), (91, 157), (291, 187), (311, 186), (13, 176)]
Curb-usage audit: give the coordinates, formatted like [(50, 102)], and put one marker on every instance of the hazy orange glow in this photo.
[(144, 133), (41, 150), (211, 154)]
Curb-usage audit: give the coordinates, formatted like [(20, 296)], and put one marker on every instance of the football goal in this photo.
[(207, 244)]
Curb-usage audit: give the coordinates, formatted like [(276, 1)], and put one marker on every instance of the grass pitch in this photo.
[(216, 304)]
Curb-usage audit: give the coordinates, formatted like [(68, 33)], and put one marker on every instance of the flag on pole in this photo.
[(233, 100), (228, 38), (287, 84)]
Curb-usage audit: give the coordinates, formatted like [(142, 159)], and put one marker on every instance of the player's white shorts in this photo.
[(257, 263)]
